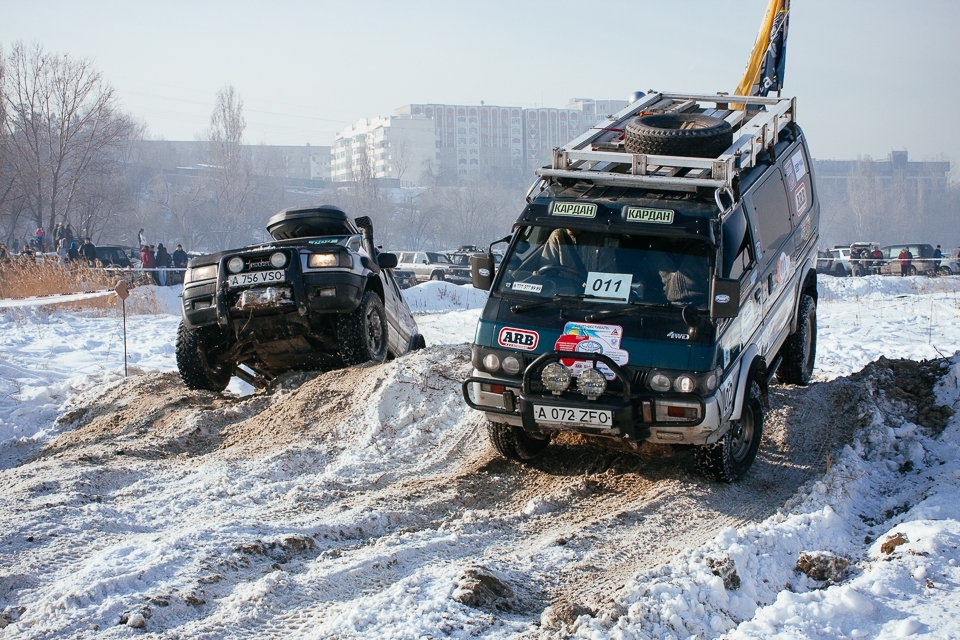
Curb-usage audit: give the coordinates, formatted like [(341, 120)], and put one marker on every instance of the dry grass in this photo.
[(21, 278)]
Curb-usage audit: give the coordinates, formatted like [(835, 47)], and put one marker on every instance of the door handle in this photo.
[(756, 294)]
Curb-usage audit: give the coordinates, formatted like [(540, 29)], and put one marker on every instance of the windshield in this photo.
[(546, 262), (437, 257)]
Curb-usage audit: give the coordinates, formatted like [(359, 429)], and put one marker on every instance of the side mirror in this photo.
[(387, 260), (724, 298), (482, 270)]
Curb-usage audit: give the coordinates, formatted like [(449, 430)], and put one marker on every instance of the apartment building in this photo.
[(396, 147), (471, 139)]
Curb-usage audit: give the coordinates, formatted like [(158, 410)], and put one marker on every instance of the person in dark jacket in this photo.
[(89, 252), (180, 257), (73, 253), (162, 261)]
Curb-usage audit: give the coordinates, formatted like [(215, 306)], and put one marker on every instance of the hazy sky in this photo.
[(870, 76)]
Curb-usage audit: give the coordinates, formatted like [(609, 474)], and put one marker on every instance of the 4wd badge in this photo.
[(518, 338)]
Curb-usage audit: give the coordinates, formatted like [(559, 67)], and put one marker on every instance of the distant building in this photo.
[(896, 165), (391, 148), (471, 138)]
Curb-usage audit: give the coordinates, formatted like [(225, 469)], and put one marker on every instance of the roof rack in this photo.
[(598, 156)]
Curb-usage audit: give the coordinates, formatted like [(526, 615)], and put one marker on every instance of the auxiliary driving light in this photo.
[(319, 260), (556, 378), (278, 259), (592, 384), (235, 264)]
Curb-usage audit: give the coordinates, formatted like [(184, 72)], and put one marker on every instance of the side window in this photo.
[(737, 245), (796, 169), (770, 214), (421, 258)]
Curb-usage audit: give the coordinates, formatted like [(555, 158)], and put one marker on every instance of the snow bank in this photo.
[(442, 296)]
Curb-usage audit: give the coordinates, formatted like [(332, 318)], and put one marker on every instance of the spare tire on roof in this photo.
[(678, 134)]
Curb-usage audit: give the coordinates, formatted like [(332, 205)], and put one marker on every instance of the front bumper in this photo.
[(637, 414)]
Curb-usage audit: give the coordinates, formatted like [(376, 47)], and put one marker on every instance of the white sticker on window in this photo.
[(528, 287), (615, 286), (799, 167)]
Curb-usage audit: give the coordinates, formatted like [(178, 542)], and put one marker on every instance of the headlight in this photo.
[(685, 383), (511, 365), (491, 362), (320, 260), (591, 383), (556, 377), (196, 274), (278, 260), (660, 382), (235, 264)]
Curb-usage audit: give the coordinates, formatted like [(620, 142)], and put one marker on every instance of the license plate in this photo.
[(573, 416), (255, 277)]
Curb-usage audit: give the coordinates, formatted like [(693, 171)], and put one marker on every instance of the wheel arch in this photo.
[(750, 364), (807, 286)]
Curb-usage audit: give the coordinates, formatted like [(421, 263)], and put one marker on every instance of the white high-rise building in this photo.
[(390, 147)]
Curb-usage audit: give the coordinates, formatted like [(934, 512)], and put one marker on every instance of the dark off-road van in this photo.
[(660, 275)]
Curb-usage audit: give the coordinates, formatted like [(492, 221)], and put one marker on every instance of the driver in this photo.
[(577, 251), (682, 273)]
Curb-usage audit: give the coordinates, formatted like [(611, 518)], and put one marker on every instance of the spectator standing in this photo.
[(877, 256), (854, 261), (57, 235), (162, 260), (179, 257), (146, 260), (62, 249), (4, 254), (68, 233), (937, 259), (73, 253), (142, 238), (89, 252), (40, 235), (905, 258)]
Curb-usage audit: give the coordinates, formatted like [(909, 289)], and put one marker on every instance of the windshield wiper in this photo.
[(520, 308), (629, 308)]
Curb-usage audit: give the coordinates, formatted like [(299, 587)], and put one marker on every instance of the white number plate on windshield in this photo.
[(577, 417), (615, 286), (255, 277)]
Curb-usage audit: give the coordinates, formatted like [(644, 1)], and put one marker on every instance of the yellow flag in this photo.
[(752, 74)]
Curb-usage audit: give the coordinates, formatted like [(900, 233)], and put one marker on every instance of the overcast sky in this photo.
[(870, 76)]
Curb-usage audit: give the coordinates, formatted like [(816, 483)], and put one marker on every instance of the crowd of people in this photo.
[(73, 251), (865, 260)]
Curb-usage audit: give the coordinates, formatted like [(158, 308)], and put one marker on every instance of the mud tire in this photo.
[(800, 349), (197, 358), (730, 458), (362, 335), (513, 443), (678, 134)]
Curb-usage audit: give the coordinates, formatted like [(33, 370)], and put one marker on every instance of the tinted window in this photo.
[(736, 245), (770, 214)]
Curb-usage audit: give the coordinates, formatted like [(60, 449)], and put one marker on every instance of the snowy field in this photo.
[(133, 506)]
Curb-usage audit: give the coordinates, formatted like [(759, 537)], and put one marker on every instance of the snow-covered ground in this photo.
[(168, 541)]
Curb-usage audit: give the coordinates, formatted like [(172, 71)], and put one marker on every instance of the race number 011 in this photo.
[(615, 286)]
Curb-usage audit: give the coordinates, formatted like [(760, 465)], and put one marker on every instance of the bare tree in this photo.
[(401, 155), (62, 126), (232, 180)]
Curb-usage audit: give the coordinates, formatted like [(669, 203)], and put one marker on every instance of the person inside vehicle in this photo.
[(576, 252), (682, 273)]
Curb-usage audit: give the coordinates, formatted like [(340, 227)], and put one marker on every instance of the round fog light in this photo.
[(660, 382), (235, 264), (278, 259), (591, 383), (491, 362), (556, 377), (511, 365)]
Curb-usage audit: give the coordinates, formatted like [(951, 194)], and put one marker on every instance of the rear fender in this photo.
[(809, 271)]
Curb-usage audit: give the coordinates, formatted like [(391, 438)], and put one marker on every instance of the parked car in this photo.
[(433, 265), (839, 265), (113, 256), (921, 263)]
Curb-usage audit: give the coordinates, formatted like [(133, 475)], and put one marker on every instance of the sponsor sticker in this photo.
[(518, 338), (323, 241), (656, 216), (528, 287), (584, 337), (788, 171), (801, 196), (783, 267), (799, 166), (574, 209)]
